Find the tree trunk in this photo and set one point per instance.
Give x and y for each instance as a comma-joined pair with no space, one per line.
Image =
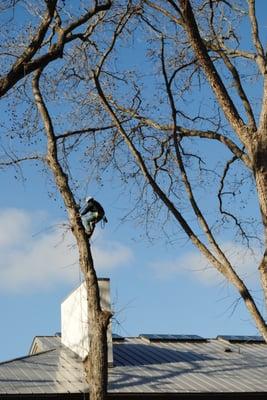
260,173
97,318
96,362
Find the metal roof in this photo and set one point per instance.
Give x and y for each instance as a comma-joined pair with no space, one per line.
56,370
214,366
152,337
188,367
241,339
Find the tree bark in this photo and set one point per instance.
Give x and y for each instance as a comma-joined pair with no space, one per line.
96,367
260,173
98,319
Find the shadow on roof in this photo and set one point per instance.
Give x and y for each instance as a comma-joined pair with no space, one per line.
141,354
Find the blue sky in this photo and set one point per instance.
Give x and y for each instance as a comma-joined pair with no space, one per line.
156,287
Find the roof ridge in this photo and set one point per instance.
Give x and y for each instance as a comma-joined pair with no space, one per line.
53,336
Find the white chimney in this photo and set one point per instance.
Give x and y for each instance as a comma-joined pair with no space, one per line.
75,331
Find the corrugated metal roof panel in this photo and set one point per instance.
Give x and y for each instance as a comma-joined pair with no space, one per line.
53,371
143,367
241,339
171,338
189,367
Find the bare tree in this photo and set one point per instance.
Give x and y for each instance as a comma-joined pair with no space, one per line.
192,87
196,50
38,47
98,318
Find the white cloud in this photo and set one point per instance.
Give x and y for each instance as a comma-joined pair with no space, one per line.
37,261
111,254
190,264
195,265
14,224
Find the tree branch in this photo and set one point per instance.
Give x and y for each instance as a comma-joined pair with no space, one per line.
17,70
16,161
186,132
83,131
261,58
61,180
234,73
200,217
37,40
26,64
233,53
221,193
164,12
119,28
220,91
156,188
223,266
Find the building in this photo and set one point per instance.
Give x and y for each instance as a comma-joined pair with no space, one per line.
145,367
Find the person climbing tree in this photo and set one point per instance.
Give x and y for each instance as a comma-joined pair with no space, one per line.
92,212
